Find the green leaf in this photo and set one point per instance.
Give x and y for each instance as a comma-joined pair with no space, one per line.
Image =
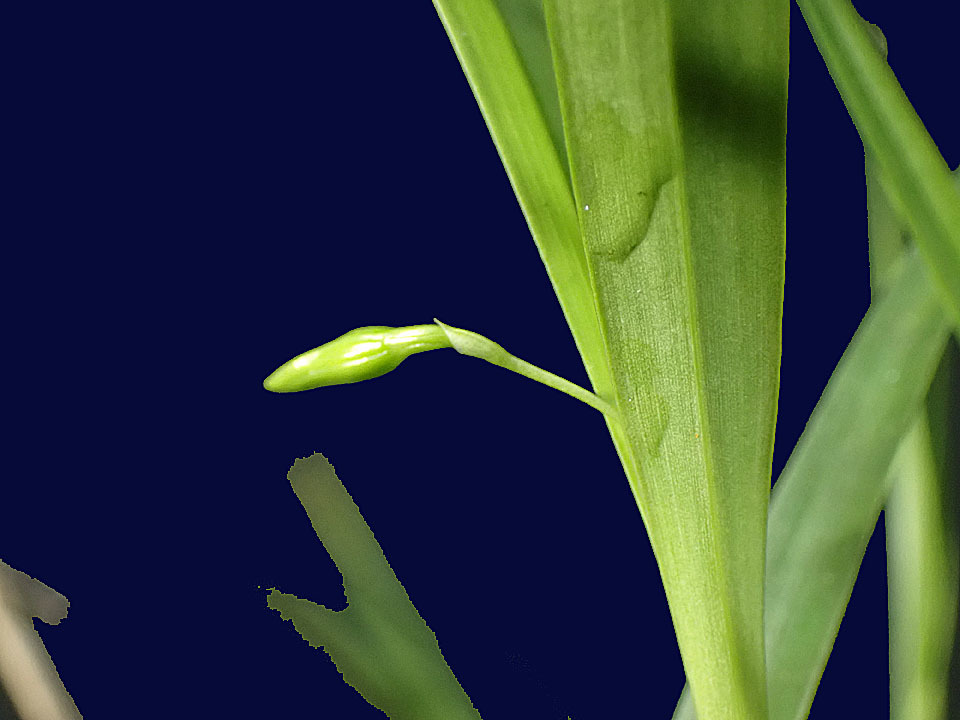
379,643
922,557
922,572
503,49
471,344
528,30
914,172
826,503
674,115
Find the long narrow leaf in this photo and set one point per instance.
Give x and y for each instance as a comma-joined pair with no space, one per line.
825,506
379,643
914,171
922,562
674,115
922,576
503,49
827,501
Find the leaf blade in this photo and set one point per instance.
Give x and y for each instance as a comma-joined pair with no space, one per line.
922,560
922,572
814,557
918,177
650,159
497,42
379,643
826,503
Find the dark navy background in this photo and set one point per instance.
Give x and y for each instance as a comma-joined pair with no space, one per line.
204,190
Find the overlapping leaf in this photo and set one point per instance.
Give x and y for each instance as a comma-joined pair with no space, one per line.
914,172
818,534
674,115
674,300
827,501
922,554
505,54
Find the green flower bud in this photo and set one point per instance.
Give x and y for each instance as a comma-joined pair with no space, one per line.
370,352
360,354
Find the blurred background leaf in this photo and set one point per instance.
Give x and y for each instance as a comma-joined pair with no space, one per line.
921,512
916,177
827,501
379,643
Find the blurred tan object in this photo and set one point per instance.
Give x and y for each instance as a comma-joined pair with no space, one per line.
26,671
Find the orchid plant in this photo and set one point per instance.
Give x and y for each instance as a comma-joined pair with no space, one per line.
645,141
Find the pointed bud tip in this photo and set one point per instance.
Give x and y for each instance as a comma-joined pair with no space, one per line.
288,378
270,383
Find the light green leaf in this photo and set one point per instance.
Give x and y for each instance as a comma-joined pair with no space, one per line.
914,172
826,503
922,556
886,232
528,30
674,114
379,643
922,572
502,46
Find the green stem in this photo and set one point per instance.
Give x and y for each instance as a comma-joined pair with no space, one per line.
474,345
